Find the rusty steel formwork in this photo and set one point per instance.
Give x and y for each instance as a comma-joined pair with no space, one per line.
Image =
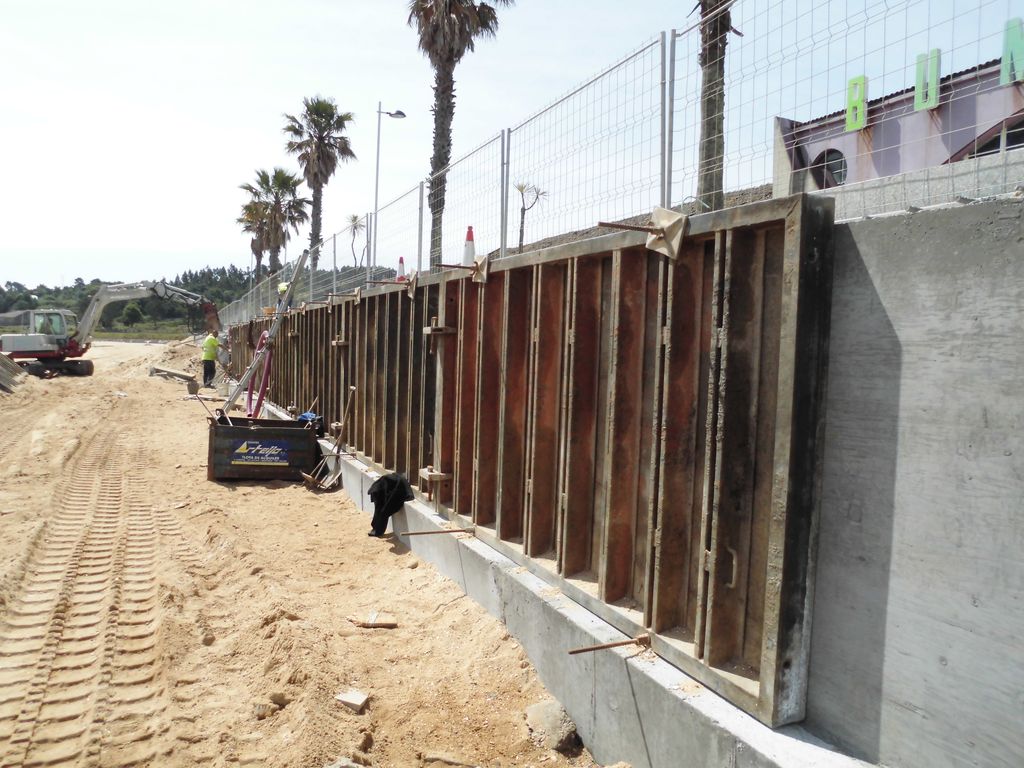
641,432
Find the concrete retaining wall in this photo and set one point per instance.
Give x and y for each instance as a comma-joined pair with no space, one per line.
627,705
917,654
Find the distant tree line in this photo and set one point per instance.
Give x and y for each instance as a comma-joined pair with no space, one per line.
221,285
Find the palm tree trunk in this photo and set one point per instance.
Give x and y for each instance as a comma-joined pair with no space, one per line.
444,111
354,262
522,227
314,230
275,259
259,263
714,30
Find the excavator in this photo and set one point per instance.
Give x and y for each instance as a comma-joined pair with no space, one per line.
52,341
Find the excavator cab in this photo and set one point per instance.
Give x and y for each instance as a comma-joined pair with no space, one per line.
42,335
53,322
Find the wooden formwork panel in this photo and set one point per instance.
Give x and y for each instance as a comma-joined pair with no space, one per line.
418,433
400,386
621,449
643,432
514,333
544,402
685,367
578,491
445,358
465,397
491,303
376,362
391,381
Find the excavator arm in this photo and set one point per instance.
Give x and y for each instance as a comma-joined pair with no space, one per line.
108,294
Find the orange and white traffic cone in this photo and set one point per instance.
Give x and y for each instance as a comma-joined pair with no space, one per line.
469,254
401,269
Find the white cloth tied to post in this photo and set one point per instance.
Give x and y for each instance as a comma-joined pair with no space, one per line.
673,226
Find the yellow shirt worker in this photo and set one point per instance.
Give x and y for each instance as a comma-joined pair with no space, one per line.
210,345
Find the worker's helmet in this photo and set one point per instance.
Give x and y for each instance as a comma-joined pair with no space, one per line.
282,287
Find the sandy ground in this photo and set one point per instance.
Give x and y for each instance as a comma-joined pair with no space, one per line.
150,617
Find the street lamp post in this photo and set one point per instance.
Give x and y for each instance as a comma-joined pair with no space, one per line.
376,182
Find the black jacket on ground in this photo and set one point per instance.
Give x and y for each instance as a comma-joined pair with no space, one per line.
388,493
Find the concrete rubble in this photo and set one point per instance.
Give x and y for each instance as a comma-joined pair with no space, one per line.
551,727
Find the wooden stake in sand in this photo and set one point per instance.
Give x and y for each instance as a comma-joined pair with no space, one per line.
376,620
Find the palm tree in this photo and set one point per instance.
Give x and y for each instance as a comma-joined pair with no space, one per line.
255,220
447,30
356,225
318,141
527,191
715,25
279,192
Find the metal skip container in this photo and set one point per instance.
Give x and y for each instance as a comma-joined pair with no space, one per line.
260,449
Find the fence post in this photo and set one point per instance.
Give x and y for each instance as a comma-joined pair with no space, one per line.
371,224
334,264
661,47
419,236
670,120
506,142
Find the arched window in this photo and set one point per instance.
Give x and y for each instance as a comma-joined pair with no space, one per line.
1007,135
829,169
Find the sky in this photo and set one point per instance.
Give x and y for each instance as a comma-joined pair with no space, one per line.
128,126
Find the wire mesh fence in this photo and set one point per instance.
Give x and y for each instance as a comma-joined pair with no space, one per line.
351,246
335,274
886,105
468,193
838,96
595,154
397,240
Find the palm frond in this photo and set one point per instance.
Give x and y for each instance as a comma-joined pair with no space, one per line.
317,139
447,28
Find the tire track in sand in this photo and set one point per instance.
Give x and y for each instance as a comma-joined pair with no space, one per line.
16,428
77,640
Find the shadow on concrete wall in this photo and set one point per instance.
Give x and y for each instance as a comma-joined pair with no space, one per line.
855,547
